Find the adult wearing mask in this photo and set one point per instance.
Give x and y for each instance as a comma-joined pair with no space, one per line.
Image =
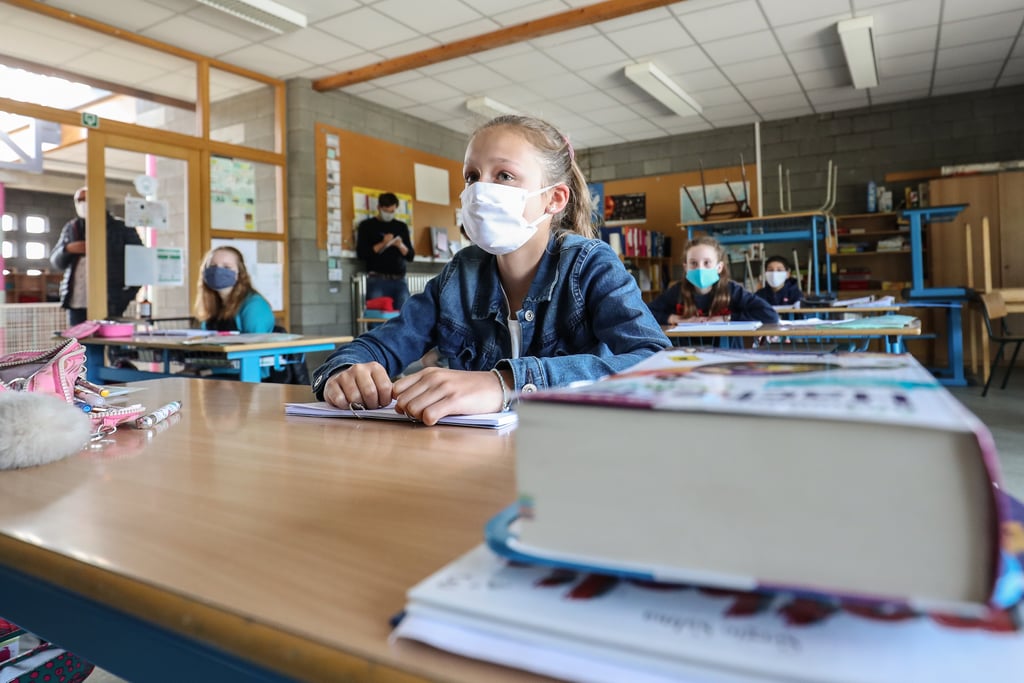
69,255
384,246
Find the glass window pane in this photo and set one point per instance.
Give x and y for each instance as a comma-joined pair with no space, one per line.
35,225
264,259
9,223
241,110
8,250
35,250
34,272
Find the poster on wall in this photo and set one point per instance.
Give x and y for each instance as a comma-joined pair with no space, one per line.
596,203
625,209
232,194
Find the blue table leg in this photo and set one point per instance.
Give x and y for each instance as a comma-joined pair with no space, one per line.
95,359
250,369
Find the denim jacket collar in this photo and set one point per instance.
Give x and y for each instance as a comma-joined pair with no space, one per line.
541,289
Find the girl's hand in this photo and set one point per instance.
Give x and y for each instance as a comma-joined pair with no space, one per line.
433,393
675,319
367,384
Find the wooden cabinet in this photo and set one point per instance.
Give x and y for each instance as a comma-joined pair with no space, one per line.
872,256
21,288
652,273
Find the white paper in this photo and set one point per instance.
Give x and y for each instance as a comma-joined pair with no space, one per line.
697,328
323,409
170,266
268,279
431,184
139,265
145,213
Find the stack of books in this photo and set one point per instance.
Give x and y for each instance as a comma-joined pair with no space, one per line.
733,516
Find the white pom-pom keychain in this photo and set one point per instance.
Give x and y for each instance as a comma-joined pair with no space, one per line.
37,428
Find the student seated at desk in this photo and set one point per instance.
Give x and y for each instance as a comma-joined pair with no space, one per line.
781,289
536,302
226,301
707,294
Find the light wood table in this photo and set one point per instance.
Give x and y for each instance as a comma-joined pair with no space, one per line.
892,338
238,544
249,354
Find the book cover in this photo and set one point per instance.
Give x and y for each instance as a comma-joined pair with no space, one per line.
590,627
822,473
324,409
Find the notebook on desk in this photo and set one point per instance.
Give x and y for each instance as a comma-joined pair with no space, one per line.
722,326
324,409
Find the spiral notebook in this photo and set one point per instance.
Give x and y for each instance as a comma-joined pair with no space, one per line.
323,409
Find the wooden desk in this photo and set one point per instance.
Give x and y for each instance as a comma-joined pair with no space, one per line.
859,310
248,355
238,544
892,338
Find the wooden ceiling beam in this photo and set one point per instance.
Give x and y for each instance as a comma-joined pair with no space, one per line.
556,23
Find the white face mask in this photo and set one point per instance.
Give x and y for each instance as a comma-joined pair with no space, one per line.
82,209
387,216
492,215
775,278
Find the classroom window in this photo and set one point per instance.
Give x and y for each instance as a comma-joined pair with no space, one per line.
33,272
7,250
9,223
35,251
36,225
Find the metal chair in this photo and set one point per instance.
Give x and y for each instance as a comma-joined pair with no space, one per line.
993,307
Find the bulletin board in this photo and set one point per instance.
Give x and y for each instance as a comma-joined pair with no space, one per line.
364,161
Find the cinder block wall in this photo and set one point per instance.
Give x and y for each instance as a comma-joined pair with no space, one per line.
319,306
865,144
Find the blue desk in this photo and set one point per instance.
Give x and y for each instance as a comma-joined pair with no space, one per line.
251,355
811,226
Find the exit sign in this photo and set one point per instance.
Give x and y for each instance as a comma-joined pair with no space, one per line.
90,120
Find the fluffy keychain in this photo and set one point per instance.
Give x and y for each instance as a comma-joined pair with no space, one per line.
36,429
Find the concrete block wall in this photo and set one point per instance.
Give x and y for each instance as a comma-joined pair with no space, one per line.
864,144
319,306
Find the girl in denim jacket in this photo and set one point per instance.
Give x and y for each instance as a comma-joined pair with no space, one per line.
536,302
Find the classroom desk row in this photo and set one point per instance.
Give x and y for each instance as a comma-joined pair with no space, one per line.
233,543
251,356
777,336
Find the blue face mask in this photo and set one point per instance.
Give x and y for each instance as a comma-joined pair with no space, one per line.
216,277
702,278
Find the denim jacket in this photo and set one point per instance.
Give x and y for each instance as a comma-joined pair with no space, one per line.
582,319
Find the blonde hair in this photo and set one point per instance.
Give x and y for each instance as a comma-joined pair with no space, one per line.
720,298
558,159
209,305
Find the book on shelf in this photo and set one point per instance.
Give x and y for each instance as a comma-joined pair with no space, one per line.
324,409
827,474
584,626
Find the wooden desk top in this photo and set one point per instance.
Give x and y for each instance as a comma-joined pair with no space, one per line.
783,330
191,344
862,310
285,540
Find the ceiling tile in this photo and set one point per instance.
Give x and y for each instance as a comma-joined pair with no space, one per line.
29,45
955,10
635,19
388,98
889,86
907,64
767,105
770,86
787,113
843,95
699,81
685,60
902,16
745,72
727,111
899,97
840,105
810,34
718,96
819,58
954,88
450,65
724,20
610,115
475,78
603,76
266,60
467,30
783,12
650,38
514,93
584,54
407,47
525,66
195,36
17,20
129,14
367,28
628,93
1014,67
565,37
523,13
991,51
113,68
503,52
906,42
587,101
824,78
313,46
315,10
982,75
556,86
981,29
738,121
426,17
139,53
743,48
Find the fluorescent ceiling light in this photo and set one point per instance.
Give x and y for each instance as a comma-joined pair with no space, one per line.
662,88
265,13
859,46
485,106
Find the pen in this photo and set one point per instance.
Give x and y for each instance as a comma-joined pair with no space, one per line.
95,388
89,397
158,415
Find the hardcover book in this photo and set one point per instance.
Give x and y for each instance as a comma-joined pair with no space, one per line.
827,474
583,626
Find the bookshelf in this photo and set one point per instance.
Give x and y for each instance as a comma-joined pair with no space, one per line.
24,288
872,255
646,254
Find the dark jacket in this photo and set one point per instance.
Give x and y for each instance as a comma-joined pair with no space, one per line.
788,294
118,235
390,261
742,305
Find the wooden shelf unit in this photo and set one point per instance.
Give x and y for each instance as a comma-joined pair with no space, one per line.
22,288
658,268
890,269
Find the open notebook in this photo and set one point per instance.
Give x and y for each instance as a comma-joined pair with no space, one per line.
717,326
323,409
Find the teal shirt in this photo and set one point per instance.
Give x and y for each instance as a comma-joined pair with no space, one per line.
254,317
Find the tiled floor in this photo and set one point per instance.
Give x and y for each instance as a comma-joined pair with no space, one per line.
1002,411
